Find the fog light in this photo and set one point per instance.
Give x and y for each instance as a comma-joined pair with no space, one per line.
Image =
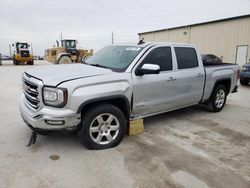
55,122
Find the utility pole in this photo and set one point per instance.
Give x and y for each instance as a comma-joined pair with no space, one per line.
78,39
10,49
112,36
31,48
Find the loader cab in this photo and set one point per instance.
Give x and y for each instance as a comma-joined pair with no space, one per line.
70,46
21,46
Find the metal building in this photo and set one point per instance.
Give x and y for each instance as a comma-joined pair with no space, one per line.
227,38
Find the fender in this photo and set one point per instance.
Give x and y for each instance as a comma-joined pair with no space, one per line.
222,81
126,108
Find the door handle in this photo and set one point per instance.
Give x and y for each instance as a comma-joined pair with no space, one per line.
171,79
200,75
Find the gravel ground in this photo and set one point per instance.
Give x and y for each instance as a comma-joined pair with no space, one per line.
186,148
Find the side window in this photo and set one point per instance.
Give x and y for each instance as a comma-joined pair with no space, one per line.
186,57
160,56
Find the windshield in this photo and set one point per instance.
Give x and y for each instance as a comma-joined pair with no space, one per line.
22,45
69,43
117,58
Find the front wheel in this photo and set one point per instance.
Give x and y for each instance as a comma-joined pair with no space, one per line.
218,99
15,62
103,126
64,60
244,82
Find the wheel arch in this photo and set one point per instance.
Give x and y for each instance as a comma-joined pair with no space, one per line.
225,82
119,101
60,55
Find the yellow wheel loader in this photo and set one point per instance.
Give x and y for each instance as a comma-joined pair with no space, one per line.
22,54
67,53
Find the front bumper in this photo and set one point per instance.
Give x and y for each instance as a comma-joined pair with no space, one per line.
38,120
245,75
23,59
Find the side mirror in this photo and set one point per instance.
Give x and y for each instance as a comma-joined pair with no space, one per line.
148,69
13,45
28,45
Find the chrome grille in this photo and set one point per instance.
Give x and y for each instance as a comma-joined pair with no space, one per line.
31,93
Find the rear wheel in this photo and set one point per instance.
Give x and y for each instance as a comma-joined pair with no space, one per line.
30,62
244,82
103,126
15,62
64,60
218,99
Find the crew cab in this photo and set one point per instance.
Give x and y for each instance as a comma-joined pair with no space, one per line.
120,83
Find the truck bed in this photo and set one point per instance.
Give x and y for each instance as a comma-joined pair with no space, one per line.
216,72
216,64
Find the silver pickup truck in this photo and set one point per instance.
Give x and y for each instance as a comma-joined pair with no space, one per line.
121,83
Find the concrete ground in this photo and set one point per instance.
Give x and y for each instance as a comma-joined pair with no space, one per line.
186,148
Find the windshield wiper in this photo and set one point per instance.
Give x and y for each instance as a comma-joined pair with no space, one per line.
98,65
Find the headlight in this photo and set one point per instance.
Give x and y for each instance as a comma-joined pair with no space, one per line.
56,97
243,68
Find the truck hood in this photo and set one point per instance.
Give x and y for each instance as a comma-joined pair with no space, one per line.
53,75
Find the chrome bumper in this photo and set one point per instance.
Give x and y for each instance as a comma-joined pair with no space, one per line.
37,120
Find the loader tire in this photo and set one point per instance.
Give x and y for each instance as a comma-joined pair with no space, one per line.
15,62
64,60
30,62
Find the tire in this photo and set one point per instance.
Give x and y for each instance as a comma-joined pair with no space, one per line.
244,82
15,62
30,62
218,99
96,132
85,57
64,60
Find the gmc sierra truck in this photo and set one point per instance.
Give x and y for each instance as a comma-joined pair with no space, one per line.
120,83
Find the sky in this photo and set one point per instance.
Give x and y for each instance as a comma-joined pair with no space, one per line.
91,22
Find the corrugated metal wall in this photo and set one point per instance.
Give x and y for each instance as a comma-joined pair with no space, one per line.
219,38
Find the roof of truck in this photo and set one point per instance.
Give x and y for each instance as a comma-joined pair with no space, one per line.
152,44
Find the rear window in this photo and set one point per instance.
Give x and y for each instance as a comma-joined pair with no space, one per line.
186,57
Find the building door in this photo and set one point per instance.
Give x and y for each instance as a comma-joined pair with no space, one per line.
241,55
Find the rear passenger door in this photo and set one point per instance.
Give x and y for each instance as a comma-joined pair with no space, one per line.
189,77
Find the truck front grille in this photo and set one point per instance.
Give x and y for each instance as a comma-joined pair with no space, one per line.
31,93
25,53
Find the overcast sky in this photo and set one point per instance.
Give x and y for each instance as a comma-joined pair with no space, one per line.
92,21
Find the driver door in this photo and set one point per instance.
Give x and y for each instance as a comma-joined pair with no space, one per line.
150,90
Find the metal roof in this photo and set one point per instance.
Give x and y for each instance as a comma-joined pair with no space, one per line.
201,23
